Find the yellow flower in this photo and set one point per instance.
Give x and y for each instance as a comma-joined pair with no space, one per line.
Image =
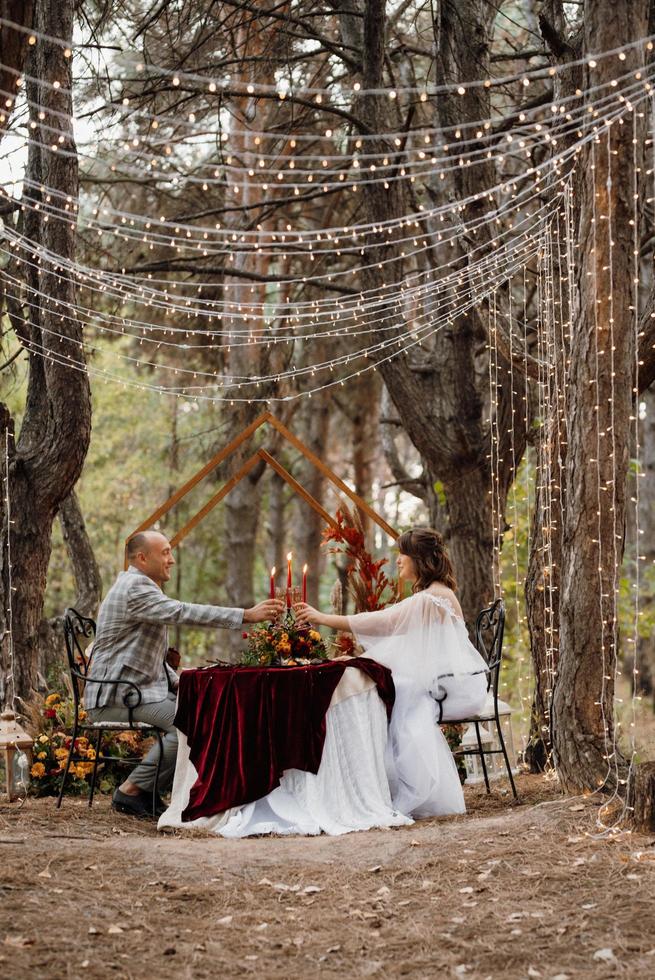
90,753
61,754
315,636
42,755
43,738
83,714
38,770
52,699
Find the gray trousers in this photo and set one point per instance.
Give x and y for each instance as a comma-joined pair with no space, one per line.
160,714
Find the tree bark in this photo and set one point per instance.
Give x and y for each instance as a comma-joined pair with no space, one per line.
13,49
442,395
599,405
46,459
88,583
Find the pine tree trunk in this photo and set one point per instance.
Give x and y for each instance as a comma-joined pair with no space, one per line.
46,459
442,395
599,405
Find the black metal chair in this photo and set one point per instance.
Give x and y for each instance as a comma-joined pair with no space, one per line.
489,630
76,629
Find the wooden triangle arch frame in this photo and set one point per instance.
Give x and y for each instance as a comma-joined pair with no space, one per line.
260,454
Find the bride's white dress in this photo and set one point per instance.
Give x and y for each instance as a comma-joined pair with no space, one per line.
424,642
371,774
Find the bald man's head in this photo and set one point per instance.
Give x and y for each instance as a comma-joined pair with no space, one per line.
150,552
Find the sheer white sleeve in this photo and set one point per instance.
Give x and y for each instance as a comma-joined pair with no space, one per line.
422,638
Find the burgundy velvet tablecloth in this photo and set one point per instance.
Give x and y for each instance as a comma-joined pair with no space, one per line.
246,725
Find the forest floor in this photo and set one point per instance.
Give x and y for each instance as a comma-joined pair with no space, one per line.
508,891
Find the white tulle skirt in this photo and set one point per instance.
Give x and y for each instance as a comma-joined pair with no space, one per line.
422,773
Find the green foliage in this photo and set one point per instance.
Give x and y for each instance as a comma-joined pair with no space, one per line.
440,492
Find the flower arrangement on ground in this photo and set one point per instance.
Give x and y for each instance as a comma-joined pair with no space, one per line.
283,644
54,720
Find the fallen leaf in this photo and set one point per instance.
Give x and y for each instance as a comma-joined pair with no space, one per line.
225,921
44,874
576,808
334,949
261,926
376,867
466,891
312,889
532,972
20,941
114,929
93,931
264,881
414,843
384,890
589,905
605,955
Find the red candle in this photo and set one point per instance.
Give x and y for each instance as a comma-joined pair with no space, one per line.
272,589
304,583
289,581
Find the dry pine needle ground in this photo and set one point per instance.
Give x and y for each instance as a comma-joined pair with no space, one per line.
508,891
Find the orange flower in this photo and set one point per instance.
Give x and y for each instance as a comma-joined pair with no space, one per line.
38,770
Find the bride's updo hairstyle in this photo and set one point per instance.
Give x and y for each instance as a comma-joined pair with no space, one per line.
425,547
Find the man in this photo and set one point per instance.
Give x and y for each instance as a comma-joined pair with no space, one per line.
131,645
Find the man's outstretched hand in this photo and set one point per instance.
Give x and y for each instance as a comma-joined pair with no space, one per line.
267,610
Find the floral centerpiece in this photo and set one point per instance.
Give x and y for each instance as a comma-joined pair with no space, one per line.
283,643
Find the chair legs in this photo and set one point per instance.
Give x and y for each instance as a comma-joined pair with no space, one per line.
98,746
68,765
94,775
506,757
482,759
159,761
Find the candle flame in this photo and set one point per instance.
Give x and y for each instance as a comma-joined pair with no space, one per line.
273,571
304,569
289,556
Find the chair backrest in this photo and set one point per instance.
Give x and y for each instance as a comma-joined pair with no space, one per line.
489,630
76,627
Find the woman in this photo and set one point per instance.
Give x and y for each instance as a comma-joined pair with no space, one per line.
424,641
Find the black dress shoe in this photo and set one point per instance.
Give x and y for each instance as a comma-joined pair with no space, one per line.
160,806
133,806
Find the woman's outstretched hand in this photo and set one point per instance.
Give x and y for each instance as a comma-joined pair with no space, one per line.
306,613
